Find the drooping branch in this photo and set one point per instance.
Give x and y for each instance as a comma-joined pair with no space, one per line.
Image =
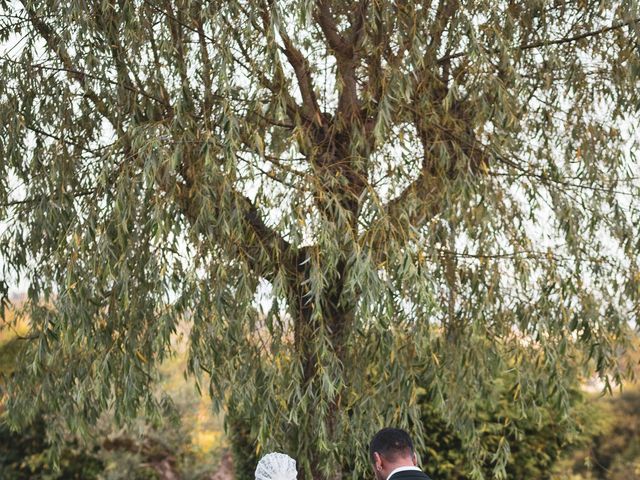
123,64
55,44
274,85
298,62
444,13
265,249
358,25
559,41
75,72
178,38
207,71
425,197
45,198
93,151
375,72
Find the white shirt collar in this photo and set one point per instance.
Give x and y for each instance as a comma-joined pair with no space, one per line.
402,469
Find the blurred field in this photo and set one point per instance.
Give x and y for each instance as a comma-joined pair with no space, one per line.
206,429
10,331
610,449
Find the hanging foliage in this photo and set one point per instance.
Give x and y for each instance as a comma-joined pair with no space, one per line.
343,199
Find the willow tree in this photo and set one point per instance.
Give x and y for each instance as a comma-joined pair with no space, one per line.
351,204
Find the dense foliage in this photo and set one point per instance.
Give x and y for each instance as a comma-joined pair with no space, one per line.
25,456
534,450
166,450
408,189
540,441
614,453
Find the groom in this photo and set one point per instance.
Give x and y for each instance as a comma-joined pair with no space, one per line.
393,457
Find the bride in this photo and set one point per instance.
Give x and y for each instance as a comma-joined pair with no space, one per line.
276,466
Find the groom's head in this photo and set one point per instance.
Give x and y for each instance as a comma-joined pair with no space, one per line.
389,449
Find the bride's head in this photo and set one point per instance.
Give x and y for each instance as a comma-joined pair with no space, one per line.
276,466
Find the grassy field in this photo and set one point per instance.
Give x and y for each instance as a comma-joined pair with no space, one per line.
10,331
205,429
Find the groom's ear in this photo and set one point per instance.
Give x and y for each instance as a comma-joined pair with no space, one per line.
377,461
415,459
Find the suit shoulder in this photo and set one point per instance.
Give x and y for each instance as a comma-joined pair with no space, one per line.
410,475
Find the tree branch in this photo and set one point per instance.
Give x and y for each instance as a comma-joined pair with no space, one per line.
427,193
118,54
299,64
207,72
335,40
303,75
445,11
357,27
548,43
346,58
82,147
292,107
41,198
259,237
54,43
502,256
257,242
75,73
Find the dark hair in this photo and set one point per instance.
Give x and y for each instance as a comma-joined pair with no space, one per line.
391,442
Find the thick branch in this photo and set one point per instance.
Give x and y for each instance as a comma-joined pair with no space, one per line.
263,248
303,75
298,62
346,57
328,25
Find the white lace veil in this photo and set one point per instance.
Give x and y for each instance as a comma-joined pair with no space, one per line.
276,466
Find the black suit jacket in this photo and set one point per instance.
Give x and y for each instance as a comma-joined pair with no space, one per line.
409,475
